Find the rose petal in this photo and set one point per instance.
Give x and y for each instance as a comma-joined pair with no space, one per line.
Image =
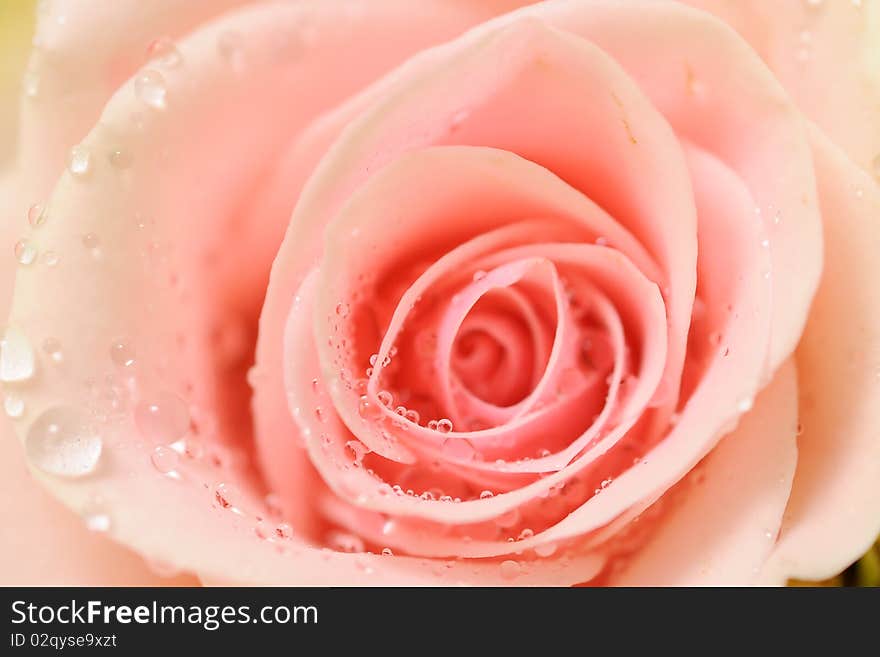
812,47
726,514
832,516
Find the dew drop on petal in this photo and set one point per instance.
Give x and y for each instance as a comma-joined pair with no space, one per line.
149,87
745,405
458,449
96,519
164,53
444,425
545,550
343,309
13,405
164,459
91,242
25,252
61,441
50,258
120,158
52,348
16,356
162,418
122,353
36,215
510,569
31,84
79,161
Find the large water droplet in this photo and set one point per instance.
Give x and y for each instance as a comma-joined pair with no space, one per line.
16,356
62,441
162,418
458,449
25,252
79,161
36,215
545,550
149,87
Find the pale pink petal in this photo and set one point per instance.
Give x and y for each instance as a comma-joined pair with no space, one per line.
826,56
723,518
44,544
833,517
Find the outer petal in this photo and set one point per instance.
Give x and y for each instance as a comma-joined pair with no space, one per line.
814,47
43,544
730,507
833,516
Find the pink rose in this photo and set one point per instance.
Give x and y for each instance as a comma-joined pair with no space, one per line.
581,295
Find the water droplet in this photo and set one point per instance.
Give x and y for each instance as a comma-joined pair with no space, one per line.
96,519
52,348
61,441
120,158
444,425
36,215
91,242
50,258
122,353
343,309
163,52
509,519
745,405
356,450
149,87
13,405
385,398
486,494
458,449
25,252
344,542
367,409
164,459
386,552
510,569
162,418
79,161
545,550
16,356
31,84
